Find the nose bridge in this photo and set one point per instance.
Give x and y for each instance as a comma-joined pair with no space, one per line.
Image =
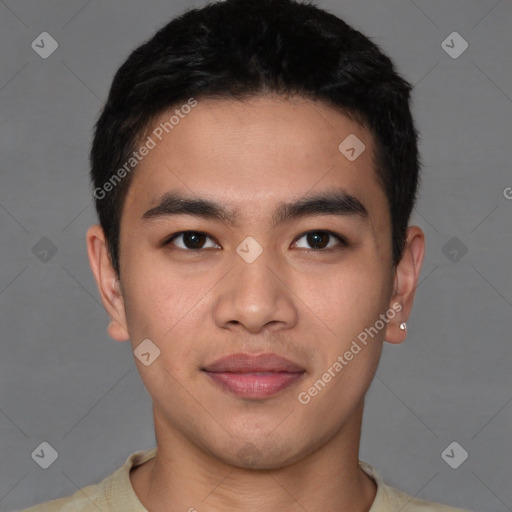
253,295
254,280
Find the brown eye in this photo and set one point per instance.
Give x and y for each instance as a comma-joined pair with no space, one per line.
319,240
190,241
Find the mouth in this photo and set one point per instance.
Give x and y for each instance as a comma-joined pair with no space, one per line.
254,376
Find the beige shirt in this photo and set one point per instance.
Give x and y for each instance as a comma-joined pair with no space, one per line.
115,494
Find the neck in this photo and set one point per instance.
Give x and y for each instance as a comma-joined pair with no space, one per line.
182,476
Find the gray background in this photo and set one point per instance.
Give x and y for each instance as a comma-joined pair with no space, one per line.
64,381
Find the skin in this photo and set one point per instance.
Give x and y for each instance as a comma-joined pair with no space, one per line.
302,302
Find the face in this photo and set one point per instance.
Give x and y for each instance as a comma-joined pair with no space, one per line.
272,243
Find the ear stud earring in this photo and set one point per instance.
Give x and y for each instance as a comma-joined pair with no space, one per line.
403,326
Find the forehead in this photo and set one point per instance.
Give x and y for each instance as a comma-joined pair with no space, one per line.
254,153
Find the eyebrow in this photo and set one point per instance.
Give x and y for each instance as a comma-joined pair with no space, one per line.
336,202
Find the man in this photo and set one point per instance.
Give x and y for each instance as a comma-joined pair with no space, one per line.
254,171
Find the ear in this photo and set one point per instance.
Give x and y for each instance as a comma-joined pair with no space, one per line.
107,281
405,281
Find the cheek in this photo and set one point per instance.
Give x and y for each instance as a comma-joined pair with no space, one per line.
345,304
160,300
347,298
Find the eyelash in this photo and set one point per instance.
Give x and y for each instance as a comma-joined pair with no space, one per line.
341,239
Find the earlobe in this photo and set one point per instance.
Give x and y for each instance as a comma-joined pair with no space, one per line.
117,332
107,282
396,330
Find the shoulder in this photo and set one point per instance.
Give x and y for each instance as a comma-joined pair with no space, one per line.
390,499
87,499
113,493
407,503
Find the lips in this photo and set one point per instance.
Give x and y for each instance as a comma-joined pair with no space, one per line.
254,376
246,363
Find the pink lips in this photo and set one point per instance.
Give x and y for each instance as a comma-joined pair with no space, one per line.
254,376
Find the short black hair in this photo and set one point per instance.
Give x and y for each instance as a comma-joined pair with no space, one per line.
236,49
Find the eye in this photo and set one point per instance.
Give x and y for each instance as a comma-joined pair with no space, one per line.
195,241
190,240
319,240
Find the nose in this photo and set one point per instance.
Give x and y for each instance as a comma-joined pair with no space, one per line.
256,295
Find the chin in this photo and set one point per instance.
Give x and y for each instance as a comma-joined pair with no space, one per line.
265,454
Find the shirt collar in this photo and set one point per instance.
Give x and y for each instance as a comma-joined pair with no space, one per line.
123,496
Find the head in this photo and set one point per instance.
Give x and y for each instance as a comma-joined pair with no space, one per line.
241,107
240,49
